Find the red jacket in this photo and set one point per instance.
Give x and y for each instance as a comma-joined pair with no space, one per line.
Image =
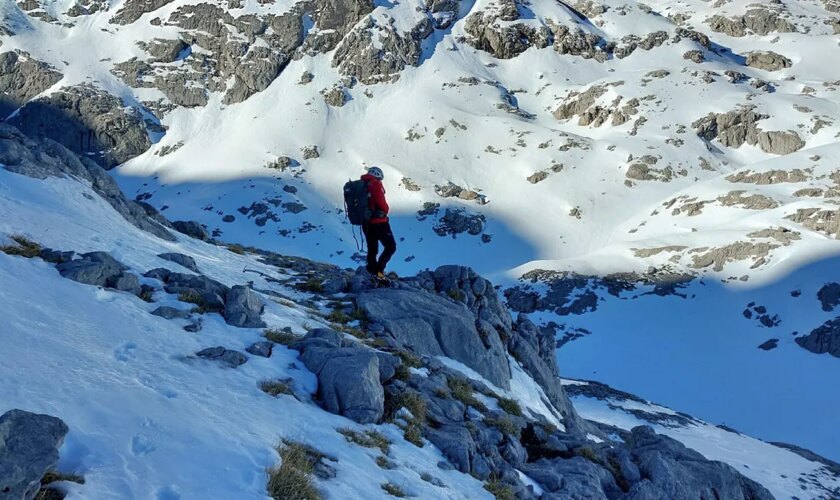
378,204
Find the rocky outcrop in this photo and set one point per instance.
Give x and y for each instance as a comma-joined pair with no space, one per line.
761,21
824,339
768,60
401,381
239,56
826,221
671,470
225,357
375,52
29,446
739,127
494,31
829,296
427,324
87,121
21,79
45,158
132,10
458,221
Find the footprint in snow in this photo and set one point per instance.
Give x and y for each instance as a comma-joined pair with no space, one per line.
142,445
168,493
166,392
125,352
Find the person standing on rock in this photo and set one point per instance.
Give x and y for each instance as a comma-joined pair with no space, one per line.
378,229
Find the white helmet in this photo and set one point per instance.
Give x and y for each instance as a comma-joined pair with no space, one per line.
376,172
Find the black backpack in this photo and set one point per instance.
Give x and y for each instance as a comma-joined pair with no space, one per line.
356,202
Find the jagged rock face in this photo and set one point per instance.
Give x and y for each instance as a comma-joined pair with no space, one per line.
535,350
504,40
87,121
46,158
824,339
132,10
21,79
768,60
373,52
29,446
251,50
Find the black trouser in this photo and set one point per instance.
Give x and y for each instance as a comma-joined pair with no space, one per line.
375,234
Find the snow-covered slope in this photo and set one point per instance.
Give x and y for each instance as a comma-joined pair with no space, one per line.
686,141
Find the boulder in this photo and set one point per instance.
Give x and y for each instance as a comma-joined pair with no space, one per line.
768,61
243,308
56,256
180,259
349,376
192,229
432,325
226,357
127,282
456,444
262,349
179,283
29,446
160,273
349,386
96,268
167,312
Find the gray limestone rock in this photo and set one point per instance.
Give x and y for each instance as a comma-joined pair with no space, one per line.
768,60
29,446
243,308
262,349
97,268
192,229
167,312
681,473
190,283
21,79
427,324
87,121
180,259
132,10
759,21
226,357
375,52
